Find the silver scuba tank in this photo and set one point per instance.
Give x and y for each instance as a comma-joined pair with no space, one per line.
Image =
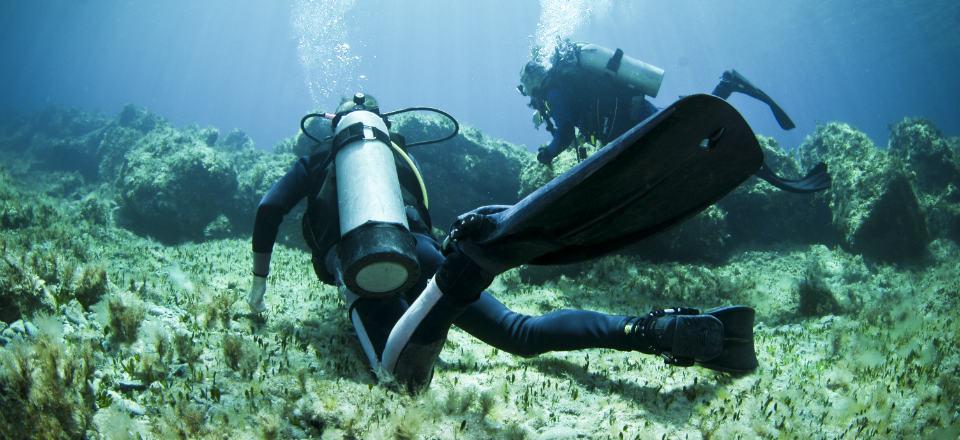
624,69
377,253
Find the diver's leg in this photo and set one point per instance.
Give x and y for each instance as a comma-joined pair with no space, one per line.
682,337
372,321
490,321
732,81
415,342
372,318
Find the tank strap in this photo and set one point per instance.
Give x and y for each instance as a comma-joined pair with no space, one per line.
614,63
357,131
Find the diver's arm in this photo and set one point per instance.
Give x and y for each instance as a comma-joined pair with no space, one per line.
562,114
281,198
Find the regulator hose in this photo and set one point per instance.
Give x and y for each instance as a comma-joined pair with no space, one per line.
456,125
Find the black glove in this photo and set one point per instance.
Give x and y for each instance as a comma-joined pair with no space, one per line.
459,276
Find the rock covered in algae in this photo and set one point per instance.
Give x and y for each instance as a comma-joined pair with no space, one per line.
918,143
257,171
873,202
935,167
462,173
67,140
759,213
173,185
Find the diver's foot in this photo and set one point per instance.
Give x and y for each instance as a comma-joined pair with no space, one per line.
681,336
544,157
732,81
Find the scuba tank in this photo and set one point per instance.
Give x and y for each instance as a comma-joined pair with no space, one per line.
631,72
377,253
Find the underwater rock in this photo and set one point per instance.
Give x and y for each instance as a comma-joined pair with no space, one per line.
22,292
173,186
873,203
943,215
20,329
236,140
465,172
140,119
219,228
918,143
935,167
67,140
15,132
759,213
704,237
301,145
816,299
257,172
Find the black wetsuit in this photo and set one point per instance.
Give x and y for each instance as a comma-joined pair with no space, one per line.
487,318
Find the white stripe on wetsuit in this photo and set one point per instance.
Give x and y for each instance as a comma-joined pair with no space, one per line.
349,298
408,323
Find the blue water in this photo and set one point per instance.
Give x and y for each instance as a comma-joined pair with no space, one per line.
236,64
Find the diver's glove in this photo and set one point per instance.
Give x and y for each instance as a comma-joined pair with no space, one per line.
471,225
459,274
258,287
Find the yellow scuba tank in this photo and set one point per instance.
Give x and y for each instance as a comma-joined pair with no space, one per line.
626,70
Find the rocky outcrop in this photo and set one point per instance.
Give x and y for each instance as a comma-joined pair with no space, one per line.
759,214
173,185
873,203
465,172
191,183
934,165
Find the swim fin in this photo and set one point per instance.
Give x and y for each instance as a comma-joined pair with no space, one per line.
720,339
817,179
739,355
733,81
668,168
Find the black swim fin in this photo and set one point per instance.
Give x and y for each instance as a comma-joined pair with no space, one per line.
720,339
817,179
739,355
733,81
660,172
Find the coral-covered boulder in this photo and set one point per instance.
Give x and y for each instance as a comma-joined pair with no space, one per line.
122,135
173,185
704,237
873,203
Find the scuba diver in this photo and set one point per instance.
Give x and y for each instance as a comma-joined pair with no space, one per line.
602,93
369,230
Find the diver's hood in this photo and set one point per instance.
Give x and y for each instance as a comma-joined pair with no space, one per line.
531,78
